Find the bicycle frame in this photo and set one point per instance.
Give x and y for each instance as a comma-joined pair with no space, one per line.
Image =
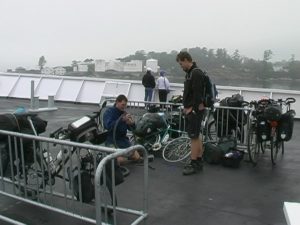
156,140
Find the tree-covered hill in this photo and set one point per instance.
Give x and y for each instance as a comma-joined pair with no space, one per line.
225,68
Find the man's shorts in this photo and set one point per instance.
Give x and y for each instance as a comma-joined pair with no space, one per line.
194,120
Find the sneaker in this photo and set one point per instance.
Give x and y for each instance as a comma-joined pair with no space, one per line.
192,168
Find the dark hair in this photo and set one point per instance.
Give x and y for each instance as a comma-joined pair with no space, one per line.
184,55
121,98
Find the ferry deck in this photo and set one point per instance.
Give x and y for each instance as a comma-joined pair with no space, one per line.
218,195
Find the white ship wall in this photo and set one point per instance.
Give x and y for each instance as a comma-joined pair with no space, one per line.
94,90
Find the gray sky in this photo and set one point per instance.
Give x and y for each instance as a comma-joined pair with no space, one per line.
66,30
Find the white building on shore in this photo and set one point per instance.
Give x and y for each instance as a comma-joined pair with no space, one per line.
153,64
116,65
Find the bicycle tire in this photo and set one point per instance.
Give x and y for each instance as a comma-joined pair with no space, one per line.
101,116
274,148
177,149
253,146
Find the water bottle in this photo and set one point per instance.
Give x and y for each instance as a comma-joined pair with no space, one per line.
49,160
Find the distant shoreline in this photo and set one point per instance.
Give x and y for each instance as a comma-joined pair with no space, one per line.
280,83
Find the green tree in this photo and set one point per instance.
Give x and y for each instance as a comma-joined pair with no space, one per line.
42,62
267,55
236,57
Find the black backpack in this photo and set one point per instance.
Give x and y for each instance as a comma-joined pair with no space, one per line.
210,91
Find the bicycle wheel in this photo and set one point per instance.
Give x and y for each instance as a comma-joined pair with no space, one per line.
253,146
101,124
275,146
177,149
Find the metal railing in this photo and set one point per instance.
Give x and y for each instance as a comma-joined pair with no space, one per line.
28,173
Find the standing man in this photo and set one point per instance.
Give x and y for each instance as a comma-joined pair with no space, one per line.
193,102
149,84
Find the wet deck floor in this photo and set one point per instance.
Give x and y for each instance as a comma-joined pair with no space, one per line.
247,195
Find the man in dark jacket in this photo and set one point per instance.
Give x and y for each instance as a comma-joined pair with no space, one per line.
193,102
117,121
149,84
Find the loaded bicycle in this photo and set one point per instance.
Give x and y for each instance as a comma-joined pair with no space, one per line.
271,124
74,165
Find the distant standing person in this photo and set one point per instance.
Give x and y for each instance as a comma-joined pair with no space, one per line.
163,86
149,84
193,103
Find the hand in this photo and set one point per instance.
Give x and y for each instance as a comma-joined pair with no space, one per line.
187,111
201,107
128,119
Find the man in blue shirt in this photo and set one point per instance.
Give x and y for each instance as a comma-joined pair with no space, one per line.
117,121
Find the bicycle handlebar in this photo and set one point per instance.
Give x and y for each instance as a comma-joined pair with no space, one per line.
264,102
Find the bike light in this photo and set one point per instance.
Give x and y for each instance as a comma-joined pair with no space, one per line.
274,123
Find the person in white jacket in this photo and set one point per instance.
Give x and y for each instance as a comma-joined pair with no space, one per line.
163,86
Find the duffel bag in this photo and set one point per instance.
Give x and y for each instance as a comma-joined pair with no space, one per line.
232,158
214,152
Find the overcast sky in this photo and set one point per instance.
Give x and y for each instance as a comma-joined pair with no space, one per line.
66,30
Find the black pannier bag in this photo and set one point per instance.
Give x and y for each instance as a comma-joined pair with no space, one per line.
87,178
149,123
19,123
286,126
81,127
8,122
272,112
263,128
